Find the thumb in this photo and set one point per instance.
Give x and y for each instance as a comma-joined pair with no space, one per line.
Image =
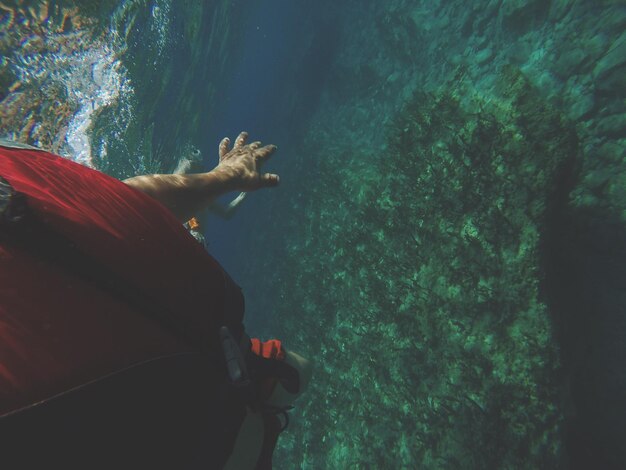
269,180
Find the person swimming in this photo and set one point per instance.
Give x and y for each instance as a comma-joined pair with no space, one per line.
96,239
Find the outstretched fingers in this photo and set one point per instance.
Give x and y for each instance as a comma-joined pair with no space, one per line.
263,153
241,140
224,147
249,158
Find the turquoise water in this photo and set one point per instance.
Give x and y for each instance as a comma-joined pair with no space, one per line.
448,239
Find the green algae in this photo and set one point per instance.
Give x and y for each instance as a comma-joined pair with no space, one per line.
417,285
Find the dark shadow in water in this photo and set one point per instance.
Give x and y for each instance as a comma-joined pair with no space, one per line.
312,74
271,92
584,253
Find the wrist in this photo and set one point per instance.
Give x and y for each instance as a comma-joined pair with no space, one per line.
226,177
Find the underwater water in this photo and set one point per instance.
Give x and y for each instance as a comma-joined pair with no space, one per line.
448,241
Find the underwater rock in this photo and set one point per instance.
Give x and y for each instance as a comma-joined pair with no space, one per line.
483,56
570,61
518,16
444,256
434,249
614,58
613,126
581,105
560,8
520,51
613,81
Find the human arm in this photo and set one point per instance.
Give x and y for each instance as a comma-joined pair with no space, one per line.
188,194
227,212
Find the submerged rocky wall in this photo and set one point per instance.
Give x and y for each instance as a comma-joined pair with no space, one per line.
573,51
415,282
455,259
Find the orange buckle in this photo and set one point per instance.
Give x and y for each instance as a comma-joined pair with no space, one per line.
193,224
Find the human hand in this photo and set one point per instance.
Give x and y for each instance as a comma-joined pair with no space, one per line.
243,162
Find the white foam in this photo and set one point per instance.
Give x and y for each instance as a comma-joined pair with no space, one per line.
92,76
95,79
160,26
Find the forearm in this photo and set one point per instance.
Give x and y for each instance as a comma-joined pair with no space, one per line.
185,195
